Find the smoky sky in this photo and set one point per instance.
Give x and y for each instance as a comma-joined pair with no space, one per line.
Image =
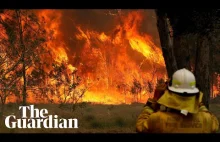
101,20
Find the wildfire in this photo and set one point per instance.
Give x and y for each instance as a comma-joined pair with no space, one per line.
141,42
52,21
216,86
122,69
121,66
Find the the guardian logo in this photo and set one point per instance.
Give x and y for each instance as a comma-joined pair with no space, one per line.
38,119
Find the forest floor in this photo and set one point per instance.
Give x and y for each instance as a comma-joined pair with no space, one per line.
92,118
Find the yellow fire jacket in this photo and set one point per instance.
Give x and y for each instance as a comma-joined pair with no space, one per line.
174,122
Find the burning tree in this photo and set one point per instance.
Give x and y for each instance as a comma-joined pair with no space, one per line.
114,58
22,38
39,44
124,89
136,90
9,78
66,85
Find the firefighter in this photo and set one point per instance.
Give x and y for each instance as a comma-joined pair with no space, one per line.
178,110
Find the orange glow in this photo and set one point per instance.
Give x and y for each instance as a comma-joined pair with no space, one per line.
216,86
109,62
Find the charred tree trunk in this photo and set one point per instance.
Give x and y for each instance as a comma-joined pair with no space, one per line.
190,26
125,95
24,90
202,68
211,73
182,51
140,97
166,42
3,101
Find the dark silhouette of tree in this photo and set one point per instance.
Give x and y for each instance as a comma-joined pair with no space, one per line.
187,40
136,89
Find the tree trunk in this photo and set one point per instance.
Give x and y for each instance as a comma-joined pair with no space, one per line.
24,78
211,73
140,97
187,51
24,91
166,42
125,97
202,69
3,101
182,51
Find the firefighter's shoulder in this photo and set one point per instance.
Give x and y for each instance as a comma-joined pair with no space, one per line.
210,117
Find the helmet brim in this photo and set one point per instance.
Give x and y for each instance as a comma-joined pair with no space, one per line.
181,90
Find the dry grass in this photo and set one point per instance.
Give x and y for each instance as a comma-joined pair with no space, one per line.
91,118
215,108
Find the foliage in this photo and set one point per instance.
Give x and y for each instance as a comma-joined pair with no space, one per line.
23,66
150,87
136,87
22,35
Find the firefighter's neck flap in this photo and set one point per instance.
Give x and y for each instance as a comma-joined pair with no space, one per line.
182,95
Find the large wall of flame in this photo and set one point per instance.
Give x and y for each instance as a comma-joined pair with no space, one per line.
108,47
111,46
66,22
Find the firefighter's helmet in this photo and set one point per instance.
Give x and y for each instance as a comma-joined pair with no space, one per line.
182,94
183,81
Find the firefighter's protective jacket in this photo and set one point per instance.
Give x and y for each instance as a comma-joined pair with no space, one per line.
175,122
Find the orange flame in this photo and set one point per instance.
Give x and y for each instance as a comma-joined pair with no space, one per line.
107,66
216,86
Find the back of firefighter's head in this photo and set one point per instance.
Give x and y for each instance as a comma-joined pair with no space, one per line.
183,81
182,93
